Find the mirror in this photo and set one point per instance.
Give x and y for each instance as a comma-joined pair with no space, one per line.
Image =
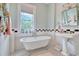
70,17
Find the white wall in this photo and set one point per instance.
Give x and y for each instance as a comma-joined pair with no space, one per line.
41,16
51,16
58,13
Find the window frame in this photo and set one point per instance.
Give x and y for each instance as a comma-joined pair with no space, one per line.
31,20
34,20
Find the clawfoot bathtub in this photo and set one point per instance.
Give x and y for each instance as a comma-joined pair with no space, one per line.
31,43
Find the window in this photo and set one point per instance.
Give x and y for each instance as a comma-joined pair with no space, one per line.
27,24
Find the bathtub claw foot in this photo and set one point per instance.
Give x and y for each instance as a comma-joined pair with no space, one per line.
29,53
47,47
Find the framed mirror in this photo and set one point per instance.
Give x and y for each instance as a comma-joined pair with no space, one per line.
70,17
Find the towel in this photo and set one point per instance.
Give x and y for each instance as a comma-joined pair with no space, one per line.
8,26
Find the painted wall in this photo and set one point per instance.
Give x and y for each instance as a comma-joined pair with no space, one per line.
51,18
58,14
51,14
41,15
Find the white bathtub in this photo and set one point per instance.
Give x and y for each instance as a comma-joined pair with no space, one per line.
36,42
